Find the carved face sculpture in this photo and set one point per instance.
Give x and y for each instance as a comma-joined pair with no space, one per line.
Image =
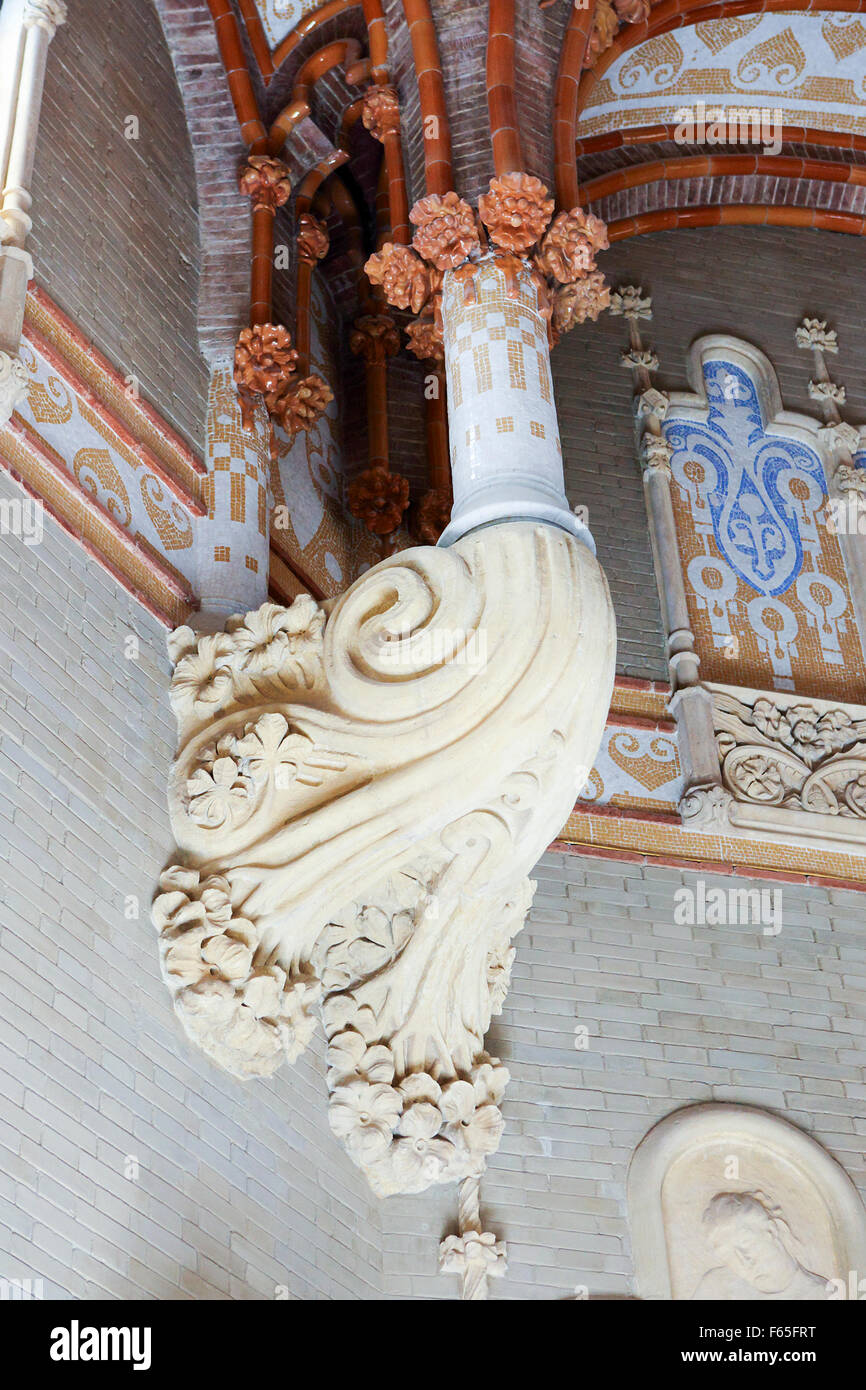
752,1241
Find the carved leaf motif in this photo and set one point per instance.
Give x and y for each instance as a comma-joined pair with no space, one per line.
396,889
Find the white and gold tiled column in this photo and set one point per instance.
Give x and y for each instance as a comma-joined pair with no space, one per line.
506,455
233,539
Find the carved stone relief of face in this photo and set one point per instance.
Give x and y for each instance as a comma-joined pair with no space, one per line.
753,1241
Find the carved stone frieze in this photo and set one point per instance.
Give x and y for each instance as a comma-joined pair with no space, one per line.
359,792
803,756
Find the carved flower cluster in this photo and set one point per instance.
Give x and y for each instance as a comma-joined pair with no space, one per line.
432,515
412,1131
265,366
264,361
567,252
232,773
236,1004
809,734
402,274
374,337
515,211
446,232
582,300
266,181
378,498
313,240
381,111
302,404
271,641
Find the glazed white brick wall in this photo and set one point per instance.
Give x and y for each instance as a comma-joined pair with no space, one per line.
676,1015
242,1188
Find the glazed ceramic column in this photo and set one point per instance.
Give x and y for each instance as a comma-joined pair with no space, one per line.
506,456
233,539
26,29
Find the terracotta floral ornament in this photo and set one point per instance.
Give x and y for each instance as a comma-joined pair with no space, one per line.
432,515
265,367
515,211
374,337
579,301
381,111
568,250
313,241
303,404
424,336
402,274
266,181
604,27
446,231
379,499
264,363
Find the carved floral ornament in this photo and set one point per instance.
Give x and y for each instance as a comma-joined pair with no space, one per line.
381,111
265,181
265,368
800,756
515,215
609,15
358,793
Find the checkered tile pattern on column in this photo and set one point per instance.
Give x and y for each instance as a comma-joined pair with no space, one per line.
233,539
500,395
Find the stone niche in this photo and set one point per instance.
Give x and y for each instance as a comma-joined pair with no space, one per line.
728,1202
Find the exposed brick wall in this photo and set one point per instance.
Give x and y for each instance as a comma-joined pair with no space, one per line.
115,235
241,1188
675,1015
755,283
224,291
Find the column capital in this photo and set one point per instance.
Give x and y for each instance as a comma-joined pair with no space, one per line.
312,240
374,337
655,455
381,112
265,181
47,15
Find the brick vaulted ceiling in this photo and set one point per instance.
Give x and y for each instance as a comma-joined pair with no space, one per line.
633,170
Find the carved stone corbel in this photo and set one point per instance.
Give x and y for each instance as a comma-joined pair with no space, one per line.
359,793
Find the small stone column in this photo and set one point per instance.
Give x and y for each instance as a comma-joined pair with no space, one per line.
704,802
234,538
506,456
26,29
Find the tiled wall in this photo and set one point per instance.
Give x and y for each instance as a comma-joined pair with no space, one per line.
675,1015
239,1189
754,283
